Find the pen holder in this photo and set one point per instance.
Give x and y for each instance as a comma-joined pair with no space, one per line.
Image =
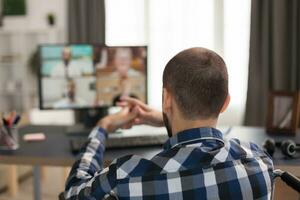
9,138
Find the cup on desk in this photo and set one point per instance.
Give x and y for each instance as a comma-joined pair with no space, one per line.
9,138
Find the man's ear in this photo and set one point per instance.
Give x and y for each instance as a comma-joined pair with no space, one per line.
226,103
166,104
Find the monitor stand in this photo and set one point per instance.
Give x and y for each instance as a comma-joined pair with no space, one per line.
86,120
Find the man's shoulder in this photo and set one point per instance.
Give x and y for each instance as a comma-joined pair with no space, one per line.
246,149
249,152
234,151
132,166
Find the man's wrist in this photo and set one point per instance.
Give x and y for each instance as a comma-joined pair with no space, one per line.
97,132
106,123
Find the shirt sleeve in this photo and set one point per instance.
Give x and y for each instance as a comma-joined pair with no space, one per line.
88,179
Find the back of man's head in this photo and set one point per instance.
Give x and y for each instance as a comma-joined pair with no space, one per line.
198,81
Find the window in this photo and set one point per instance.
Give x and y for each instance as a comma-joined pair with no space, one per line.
125,22
236,55
170,26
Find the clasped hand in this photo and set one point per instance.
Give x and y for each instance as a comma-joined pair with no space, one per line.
134,112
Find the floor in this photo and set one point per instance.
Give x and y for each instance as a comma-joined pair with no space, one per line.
52,185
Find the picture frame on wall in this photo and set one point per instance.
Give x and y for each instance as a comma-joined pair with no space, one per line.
14,7
283,112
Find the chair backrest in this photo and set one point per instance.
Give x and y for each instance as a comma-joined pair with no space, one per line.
61,196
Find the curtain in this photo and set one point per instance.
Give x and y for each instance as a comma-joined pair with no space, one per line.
86,20
1,13
274,62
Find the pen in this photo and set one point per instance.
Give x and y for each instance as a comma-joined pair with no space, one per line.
16,120
9,121
11,118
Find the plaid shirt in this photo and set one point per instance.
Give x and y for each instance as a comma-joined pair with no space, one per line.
194,164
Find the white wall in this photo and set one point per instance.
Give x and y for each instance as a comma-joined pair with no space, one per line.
36,17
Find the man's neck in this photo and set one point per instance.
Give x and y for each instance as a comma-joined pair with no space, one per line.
179,125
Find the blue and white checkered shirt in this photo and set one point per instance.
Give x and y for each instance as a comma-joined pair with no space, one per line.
194,164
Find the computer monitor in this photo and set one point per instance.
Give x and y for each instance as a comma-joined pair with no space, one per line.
84,76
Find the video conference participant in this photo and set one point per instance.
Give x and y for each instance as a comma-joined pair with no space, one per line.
70,99
66,68
196,161
122,61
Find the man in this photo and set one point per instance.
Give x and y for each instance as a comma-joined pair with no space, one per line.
70,99
71,68
196,162
122,62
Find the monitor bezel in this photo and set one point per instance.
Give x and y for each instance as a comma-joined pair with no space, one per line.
41,106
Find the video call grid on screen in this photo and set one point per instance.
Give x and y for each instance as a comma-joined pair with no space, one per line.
81,76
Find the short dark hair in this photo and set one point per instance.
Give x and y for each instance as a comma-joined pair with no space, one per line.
198,80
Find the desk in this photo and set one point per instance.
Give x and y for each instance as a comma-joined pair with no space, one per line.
55,150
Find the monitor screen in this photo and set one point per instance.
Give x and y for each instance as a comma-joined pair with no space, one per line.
87,76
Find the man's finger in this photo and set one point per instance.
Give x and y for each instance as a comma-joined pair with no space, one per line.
124,117
134,112
127,126
124,110
143,114
137,121
122,103
130,117
135,102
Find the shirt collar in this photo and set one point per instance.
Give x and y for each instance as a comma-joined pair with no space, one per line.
192,134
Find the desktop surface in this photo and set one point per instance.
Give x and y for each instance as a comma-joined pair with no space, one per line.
55,150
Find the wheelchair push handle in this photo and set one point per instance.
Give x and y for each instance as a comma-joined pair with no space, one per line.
289,179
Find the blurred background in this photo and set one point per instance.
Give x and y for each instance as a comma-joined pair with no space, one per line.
165,27
258,39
